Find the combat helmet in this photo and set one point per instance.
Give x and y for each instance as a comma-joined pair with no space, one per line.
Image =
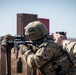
36,30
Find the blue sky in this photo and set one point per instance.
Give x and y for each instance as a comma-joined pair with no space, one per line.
61,13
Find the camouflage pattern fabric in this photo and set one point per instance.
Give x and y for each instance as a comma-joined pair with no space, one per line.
50,59
70,46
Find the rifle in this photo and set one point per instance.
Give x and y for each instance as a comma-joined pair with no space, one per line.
62,33
20,39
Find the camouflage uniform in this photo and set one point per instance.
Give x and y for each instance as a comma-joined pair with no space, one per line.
70,46
47,56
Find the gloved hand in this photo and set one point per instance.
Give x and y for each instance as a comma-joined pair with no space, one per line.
59,39
23,48
5,39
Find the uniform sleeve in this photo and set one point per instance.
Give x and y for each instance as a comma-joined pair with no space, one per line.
40,57
70,46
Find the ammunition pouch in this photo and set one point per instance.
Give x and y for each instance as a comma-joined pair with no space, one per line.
57,66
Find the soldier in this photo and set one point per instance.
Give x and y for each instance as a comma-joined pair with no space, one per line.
46,55
70,46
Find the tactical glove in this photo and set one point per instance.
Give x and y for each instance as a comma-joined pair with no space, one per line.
23,48
5,39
